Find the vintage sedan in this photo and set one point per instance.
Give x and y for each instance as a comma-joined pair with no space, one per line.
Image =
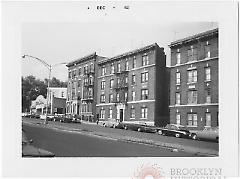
176,131
140,127
113,123
28,150
208,133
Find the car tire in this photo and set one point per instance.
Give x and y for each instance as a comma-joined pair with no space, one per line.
114,126
177,135
217,139
139,129
160,132
194,137
125,127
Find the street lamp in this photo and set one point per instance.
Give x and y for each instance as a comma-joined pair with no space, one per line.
49,67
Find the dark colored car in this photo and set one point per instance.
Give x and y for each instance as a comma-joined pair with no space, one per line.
178,131
28,150
140,127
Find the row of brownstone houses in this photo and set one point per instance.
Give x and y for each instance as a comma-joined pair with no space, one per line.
138,86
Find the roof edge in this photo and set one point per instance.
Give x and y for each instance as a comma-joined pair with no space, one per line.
81,59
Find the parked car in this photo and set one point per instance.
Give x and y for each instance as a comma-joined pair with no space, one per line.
176,131
28,150
140,127
208,133
113,123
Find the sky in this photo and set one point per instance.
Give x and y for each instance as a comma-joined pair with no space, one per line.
58,42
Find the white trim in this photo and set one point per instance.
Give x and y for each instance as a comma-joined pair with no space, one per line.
192,105
142,101
184,64
105,104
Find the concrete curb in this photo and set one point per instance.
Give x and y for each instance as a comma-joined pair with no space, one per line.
171,146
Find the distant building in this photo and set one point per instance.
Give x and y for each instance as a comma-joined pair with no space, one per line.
194,80
39,105
57,100
133,87
82,88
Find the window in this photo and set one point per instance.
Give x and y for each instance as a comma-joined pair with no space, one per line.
118,67
192,97
208,96
85,81
103,85
103,71
133,95
111,98
69,74
90,92
118,81
85,70
178,55
79,83
118,97
178,98
110,113
111,83
192,54
126,80
178,119
102,113
178,78
144,112
126,96
127,65
79,71
133,79
74,73
145,60
207,50
132,115
208,119
92,67
144,94
102,98
192,76
144,77
112,68
62,94
192,119
91,80
134,62
207,74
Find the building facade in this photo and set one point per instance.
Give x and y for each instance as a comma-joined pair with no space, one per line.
82,88
133,87
57,100
194,80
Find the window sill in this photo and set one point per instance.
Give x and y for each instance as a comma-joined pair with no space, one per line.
191,83
191,126
178,84
143,118
207,81
132,118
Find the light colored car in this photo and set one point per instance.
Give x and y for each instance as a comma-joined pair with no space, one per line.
111,123
208,133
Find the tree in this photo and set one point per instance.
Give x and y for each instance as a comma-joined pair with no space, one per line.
32,88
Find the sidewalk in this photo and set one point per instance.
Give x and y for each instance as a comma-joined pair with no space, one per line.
92,129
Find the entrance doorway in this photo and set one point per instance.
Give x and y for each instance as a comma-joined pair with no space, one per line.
121,115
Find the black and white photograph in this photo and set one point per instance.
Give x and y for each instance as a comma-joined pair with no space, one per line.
120,89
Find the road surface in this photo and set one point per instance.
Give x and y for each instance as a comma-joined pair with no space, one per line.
72,144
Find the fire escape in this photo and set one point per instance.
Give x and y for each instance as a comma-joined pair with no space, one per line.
121,86
88,85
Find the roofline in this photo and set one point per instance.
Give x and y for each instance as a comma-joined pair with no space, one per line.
194,37
81,59
128,53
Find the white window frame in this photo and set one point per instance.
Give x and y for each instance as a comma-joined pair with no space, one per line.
111,83
192,97
132,115
110,113
178,98
178,118
178,56
134,95
208,118
192,119
192,76
103,85
144,112
207,74
144,94
178,78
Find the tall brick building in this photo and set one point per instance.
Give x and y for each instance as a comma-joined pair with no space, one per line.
82,89
133,87
194,80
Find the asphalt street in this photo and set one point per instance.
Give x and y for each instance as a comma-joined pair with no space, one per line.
73,144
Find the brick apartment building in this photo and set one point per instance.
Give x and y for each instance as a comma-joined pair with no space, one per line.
133,87
82,88
194,80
